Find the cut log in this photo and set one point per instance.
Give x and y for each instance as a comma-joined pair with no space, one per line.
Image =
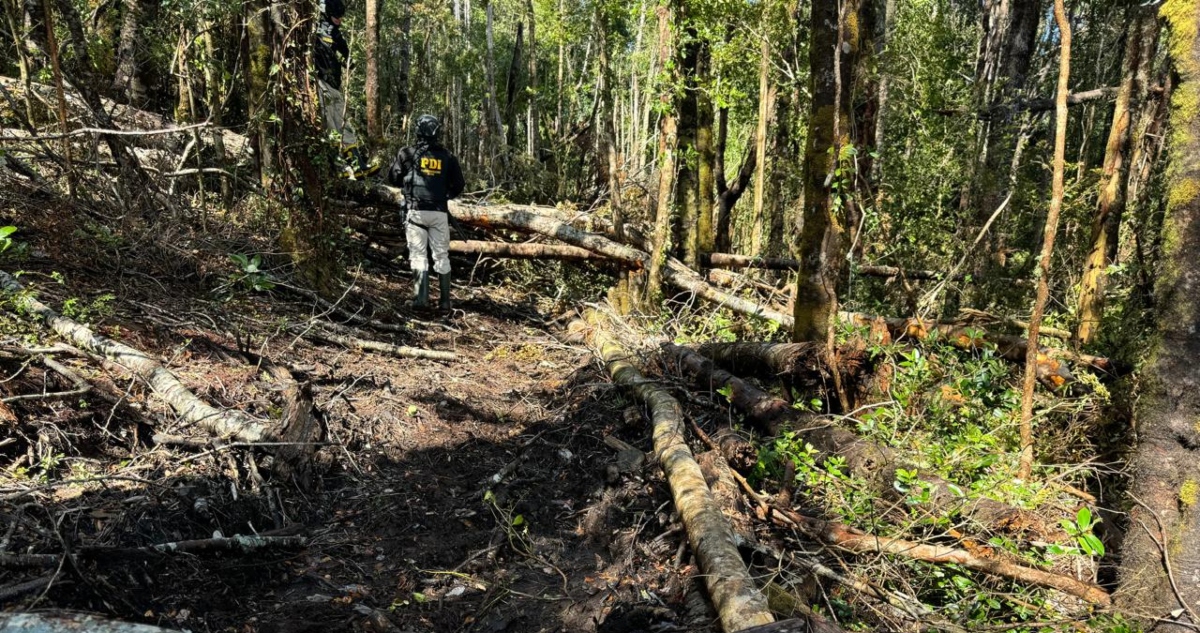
520,217
70,623
765,359
223,423
526,251
739,604
874,463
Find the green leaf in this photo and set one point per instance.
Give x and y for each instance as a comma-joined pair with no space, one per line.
5,231
1083,519
518,520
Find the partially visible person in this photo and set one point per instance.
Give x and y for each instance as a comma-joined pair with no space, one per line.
329,57
430,176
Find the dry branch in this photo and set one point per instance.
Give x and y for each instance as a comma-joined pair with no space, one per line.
238,544
228,423
738,603
850,539
399,351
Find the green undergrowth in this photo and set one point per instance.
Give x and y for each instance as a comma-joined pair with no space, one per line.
955,414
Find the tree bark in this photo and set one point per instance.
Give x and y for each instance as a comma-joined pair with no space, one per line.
820,244
374,125
738,602
70,623
493,102
765,102
687,192
1161,552
664,211
1043,278
705,153
1141,39
231,423
127,85
512,86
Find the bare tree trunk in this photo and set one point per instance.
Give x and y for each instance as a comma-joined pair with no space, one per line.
374,126
403,84
215,96
1140,44
493,103
687,192
1056,198
829,127
257,83
666,165
705,154
532,123
889,17
1161,551
58,89
758,227
513,86
127,84
1010,30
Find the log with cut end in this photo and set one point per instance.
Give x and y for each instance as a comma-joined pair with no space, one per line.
875,463
223,423
511,250
732,590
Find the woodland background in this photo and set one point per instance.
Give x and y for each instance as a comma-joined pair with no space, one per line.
975,222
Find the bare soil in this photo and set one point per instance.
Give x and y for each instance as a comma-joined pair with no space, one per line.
472,496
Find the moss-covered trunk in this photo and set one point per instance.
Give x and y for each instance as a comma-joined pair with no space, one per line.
835,40
1161,553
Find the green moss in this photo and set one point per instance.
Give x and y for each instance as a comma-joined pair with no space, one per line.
1189,493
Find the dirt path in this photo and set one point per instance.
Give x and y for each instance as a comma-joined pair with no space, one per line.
470,496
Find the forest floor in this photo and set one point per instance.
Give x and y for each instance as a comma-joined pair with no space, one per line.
476,495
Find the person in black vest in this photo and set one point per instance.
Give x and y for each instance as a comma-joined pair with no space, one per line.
329,58
430,176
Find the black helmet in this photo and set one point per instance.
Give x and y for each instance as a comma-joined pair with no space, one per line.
428,127
334,8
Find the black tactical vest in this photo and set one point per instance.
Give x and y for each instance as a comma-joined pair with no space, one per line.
425,180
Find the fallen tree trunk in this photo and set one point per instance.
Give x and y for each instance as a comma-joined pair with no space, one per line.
400,351
223,423
874,463
70,623
850,539
528,218
738,602
526,251
521,217
730,260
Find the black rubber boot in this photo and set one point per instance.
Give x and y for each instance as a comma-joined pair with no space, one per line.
421,290
444,296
